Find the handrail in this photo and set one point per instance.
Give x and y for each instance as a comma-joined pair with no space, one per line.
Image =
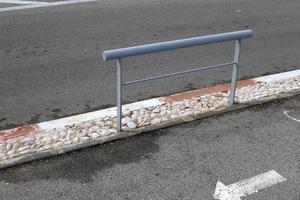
176,44
177,73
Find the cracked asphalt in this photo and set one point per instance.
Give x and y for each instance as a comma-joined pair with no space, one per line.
180,162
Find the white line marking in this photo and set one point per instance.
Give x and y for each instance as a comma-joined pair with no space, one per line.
23,7
61,123
247,186
279,76
24,2
286,114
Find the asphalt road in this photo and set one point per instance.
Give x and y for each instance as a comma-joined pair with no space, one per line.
50,58
181,162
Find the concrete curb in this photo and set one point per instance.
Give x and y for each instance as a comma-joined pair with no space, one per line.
61,123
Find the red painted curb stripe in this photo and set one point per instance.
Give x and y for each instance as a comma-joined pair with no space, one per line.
32,129
19,131
208,90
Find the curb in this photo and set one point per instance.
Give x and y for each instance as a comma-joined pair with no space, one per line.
61,124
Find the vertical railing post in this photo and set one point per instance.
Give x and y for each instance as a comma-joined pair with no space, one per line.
235,70
119,95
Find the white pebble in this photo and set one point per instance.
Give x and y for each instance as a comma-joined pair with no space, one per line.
62,134
95,128
24,148
112,130
8,146
70,131
26,151
100,123
104,132
155,121
94,135
57,144
15,146
131,125
156,110
45,147
126,120
75,140
109,123
83,139
11,152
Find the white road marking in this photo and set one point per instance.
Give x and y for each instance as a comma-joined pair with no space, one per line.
23,2
61,123
286,114
279,76
44,4
247,186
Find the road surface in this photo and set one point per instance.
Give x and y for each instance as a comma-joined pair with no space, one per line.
181,162
50,58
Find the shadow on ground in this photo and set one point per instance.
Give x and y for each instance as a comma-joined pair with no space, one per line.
83,164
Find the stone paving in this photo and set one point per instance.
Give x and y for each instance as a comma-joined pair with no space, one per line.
105,127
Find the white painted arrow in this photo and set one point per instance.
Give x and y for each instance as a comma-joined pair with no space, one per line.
247,186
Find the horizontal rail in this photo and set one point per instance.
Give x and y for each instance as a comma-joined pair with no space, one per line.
175,44
177,73
118,54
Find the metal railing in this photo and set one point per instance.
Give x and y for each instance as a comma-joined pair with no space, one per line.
176,44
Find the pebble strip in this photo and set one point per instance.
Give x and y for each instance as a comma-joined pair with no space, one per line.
97,129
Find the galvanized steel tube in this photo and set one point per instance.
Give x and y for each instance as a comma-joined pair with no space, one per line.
175,44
